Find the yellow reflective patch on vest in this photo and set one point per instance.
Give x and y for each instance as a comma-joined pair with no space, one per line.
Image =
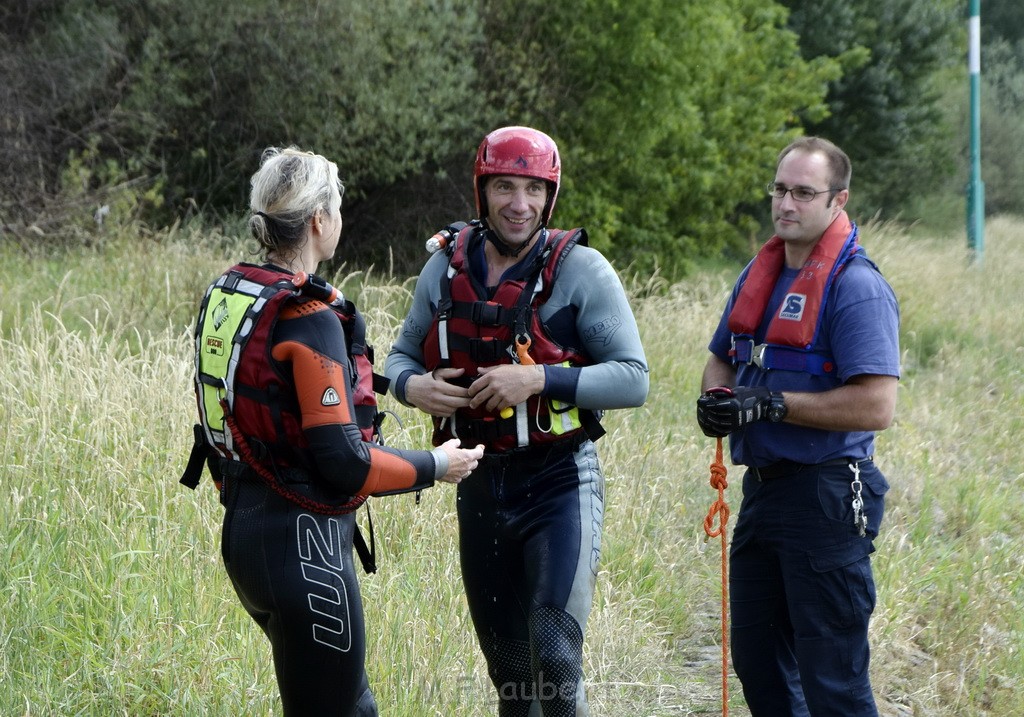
225,313
565,417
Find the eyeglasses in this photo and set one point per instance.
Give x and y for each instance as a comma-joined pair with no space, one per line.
777,190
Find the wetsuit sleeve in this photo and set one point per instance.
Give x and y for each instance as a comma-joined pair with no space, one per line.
606,329
406,356
309,344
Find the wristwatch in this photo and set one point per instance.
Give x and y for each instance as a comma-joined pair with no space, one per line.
777,408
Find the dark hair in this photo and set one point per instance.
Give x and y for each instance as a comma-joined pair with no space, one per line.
838,162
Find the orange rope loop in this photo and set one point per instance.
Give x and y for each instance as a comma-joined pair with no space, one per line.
721,509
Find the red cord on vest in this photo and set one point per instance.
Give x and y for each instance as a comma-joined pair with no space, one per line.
314,506
721,509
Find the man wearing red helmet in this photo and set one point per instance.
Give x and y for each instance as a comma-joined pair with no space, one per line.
518,338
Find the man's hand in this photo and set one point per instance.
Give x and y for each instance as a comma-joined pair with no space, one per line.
431,392
720,411
506,385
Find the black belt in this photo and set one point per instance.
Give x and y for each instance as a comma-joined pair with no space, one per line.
786,468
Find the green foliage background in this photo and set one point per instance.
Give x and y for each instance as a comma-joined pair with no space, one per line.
885,109
672,116
669,114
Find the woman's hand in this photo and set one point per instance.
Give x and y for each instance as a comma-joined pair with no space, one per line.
461,461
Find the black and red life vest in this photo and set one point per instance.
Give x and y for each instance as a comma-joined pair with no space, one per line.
793,329
470,330
236,379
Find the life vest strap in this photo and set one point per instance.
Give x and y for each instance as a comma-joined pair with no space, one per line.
541,453
481,350
288,475
193,472
367,552
782,358
482,313
490,430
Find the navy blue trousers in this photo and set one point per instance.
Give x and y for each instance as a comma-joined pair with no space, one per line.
802,592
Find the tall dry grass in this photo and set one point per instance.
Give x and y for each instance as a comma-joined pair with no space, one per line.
114,600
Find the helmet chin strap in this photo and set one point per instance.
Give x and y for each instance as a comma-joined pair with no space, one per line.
503,248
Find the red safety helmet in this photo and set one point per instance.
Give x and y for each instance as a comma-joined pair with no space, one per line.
520,151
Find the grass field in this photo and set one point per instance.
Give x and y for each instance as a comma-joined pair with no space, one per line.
113,598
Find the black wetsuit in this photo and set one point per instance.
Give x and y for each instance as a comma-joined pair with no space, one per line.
530,530
294,573
530,520
292,567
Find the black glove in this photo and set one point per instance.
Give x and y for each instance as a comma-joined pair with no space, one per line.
720,411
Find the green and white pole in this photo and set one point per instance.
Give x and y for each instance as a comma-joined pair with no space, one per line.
975,187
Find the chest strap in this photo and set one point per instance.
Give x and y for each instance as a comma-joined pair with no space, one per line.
783,358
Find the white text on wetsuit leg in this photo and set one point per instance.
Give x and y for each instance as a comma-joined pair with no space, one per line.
322,567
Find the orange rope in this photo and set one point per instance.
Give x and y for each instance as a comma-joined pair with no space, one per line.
721,509
245,452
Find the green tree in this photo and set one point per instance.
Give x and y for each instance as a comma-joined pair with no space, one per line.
1002,105
1002,128
669,116
60,68
885,108
1002,19
359,81
191,91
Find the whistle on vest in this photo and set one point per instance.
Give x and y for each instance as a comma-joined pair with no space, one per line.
523,358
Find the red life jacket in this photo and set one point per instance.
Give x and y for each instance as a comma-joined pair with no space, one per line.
233,362
470,331
793,329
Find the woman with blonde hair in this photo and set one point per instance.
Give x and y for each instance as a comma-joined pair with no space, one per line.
287,420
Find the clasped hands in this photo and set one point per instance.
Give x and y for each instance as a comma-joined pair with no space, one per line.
496,387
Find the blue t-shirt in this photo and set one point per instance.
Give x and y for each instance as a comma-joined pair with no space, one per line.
860,331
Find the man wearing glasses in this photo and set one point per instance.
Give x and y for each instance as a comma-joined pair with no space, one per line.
802,372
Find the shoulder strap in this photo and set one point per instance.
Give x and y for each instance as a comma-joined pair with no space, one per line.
367,553
193,472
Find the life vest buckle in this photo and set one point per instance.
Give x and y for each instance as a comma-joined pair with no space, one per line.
757,354
769,357
746,351
444,308
487,313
